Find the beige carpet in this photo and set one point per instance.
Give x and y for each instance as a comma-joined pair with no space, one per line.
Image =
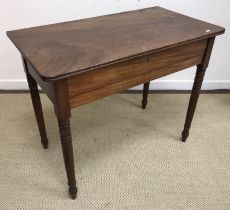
125,157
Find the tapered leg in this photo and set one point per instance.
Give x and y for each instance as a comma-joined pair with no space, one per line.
193,100
145,95
196,88
37,109
67,149
63,113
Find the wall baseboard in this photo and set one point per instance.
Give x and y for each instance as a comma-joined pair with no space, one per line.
155,85
185,85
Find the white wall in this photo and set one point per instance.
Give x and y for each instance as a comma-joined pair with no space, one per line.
15,14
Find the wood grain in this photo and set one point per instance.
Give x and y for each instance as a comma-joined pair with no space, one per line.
135,80
192,52
59,50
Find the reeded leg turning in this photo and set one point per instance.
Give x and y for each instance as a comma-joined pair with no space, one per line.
67,149
145,95
37,108
193,100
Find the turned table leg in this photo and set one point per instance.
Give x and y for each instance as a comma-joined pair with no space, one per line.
67,150
193,100
37,106
63,113
145,95
201,68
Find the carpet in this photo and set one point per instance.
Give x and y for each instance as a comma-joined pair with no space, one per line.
125,157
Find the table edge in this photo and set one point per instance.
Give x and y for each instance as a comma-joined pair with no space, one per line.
75,73
83,70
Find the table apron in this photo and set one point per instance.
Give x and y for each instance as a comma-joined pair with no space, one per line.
93,85
47,87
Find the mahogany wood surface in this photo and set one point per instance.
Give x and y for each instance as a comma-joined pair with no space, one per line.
177,57
62,49
167,61
81,61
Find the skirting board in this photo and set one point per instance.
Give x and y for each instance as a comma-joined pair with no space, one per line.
155,85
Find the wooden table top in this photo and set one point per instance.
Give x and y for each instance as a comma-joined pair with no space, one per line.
64,49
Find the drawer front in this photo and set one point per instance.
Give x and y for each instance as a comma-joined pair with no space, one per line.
103,76
110,89
181,57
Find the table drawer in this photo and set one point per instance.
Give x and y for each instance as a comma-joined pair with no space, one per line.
106,75
189,54
110,89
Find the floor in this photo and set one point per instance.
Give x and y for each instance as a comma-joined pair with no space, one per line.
125,157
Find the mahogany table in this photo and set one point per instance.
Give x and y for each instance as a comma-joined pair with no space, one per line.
78,62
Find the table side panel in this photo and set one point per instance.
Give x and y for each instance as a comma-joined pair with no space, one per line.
124,84
103,76
47,87
160,64
192,53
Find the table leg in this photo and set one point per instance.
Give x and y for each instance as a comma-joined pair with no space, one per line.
37,106
201,68
67,150
145,95
63,113
193,100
